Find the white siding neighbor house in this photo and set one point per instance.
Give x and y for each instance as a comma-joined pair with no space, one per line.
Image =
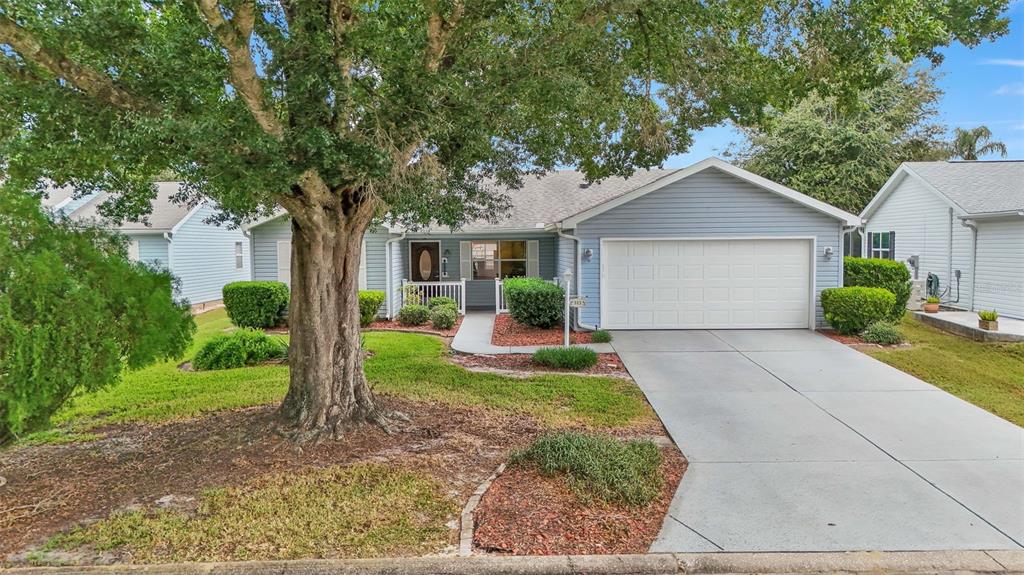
707,246
960,222
202,255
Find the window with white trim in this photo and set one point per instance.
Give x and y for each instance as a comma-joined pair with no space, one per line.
499,259
880,245
239,264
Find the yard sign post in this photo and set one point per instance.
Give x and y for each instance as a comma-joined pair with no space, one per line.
568,290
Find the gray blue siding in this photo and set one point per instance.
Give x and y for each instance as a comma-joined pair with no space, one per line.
203,257
153,249
1000,271
709,204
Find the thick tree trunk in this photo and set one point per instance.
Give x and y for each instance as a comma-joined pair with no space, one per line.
328,391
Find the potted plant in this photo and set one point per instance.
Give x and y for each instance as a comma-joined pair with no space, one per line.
987,320
931,305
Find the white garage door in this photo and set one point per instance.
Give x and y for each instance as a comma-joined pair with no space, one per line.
700,284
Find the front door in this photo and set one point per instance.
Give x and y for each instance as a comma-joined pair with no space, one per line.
425,261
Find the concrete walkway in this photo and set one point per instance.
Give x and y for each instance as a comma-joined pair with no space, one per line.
799,443
474,336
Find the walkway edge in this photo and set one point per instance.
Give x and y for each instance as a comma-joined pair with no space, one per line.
648,564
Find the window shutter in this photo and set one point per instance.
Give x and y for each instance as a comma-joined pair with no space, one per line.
362,266
892,245
465,260
284,262
533,258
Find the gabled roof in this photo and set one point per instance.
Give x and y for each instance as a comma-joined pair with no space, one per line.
56,198
721,165
166,214
976,187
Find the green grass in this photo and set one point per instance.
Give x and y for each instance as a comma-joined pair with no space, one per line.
989,375
408,365
362,510
599,467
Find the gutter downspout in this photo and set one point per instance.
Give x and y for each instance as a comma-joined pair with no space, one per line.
390,270
949,258
973,226
579,260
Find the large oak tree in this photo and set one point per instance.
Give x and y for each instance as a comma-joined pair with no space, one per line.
346,111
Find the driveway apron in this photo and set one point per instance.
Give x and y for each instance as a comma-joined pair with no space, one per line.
799,443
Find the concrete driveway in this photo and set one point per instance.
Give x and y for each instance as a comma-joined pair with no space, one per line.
799,443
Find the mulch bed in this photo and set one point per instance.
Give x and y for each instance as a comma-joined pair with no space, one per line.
607,364
508,331
50,488
525,513
393,325
856,341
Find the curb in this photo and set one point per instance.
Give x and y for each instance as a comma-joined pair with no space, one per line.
648,564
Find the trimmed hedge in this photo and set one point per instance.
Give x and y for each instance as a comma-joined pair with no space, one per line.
534,302
882,333
573,357
851,309
887,274
369,304
443,316
441,300
256,304
413,315
238,349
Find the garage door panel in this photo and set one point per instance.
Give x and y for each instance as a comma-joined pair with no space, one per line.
706,284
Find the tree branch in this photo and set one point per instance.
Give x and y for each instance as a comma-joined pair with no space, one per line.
241,65
89,81
439,31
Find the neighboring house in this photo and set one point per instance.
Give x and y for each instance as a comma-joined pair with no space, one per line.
61,201
203,256
963,222
708,246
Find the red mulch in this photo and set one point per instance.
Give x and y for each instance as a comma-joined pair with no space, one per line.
508,331
525,513
607,363
845,339
393,325
51,488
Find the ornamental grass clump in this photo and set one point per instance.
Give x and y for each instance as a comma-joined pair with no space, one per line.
574,358
882,333
239,349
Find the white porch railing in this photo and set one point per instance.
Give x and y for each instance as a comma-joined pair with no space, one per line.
500,306
423,291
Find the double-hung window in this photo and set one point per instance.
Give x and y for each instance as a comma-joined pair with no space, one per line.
239,262
881,245
496,259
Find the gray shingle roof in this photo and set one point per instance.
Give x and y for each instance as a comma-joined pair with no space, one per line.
55,196
550,198
977,187
165,215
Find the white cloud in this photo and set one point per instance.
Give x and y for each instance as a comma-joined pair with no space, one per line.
1013,89
1004,62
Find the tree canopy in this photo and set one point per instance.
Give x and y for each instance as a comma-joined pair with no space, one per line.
974,142
844,154
74,312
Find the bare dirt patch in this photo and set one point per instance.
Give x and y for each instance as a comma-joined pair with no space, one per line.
526,513
857,342
51,488
508,331
607,364
393,325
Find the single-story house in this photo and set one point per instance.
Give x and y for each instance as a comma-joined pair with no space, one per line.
707,246
963,223
202,255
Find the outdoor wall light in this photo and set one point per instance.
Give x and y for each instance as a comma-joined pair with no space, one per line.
588,254
828,252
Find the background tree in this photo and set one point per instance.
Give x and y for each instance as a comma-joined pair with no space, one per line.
74,312
975,142
345,111
843,154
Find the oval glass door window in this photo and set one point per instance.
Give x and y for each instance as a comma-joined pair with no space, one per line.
426,265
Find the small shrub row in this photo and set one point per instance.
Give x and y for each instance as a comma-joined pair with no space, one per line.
574,357
413,314
442,316
256,304
882,333
887,274
851,309
369,305
599,467
442,300
240,348
534,302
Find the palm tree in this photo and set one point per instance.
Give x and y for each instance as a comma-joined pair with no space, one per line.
969,144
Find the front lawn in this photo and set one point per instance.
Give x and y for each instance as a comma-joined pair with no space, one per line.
989,375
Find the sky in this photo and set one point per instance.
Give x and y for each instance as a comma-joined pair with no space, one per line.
983,85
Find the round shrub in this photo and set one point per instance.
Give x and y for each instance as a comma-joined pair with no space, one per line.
851,309
256,304
413,315
369,305
882,333
573,357
443,317
534,302
239,349
887,274
441,300
601,336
